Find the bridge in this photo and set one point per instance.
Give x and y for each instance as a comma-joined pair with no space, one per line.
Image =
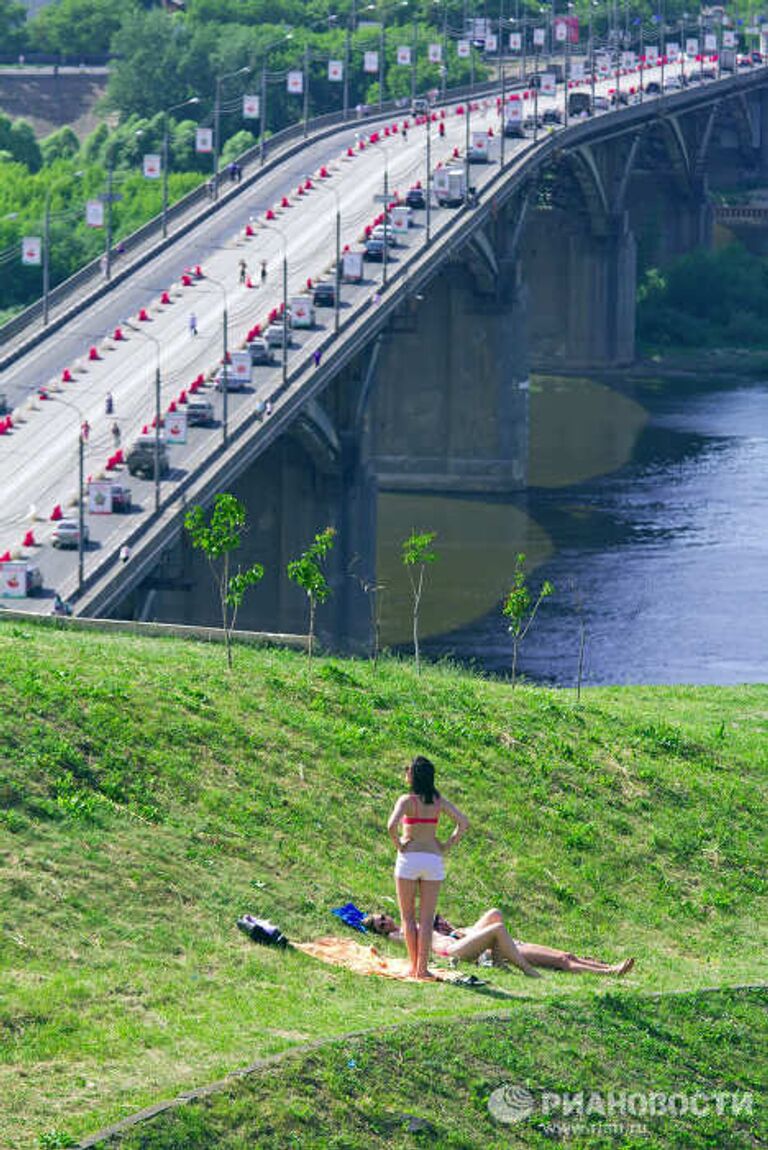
423,387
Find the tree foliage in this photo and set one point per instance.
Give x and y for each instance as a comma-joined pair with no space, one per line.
521,607
307,572
417,555
217,538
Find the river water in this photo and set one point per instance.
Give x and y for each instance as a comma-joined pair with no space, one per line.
647,508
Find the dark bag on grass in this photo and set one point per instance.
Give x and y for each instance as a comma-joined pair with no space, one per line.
262,930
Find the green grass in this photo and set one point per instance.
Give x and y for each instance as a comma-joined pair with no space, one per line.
147,798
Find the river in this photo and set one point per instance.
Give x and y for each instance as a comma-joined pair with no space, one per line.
647,508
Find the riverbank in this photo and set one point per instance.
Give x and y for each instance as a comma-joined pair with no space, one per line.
148,798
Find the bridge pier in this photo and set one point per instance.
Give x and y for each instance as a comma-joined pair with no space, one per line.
582,292
449,412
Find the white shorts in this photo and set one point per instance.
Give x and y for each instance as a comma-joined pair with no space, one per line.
420,864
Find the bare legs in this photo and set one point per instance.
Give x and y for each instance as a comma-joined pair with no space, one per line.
418,933
496,937
562,960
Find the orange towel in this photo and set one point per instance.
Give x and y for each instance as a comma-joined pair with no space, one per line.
361,959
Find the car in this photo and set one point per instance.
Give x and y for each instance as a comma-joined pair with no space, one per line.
199,411
579,104
121,498
708,73
420,106
673,84
261,352
653,88
234,382
140,459
552,116
34,580
66,533
744,62
4,408
385,235
414,198
756,57
374,250
621,98
324,295
514,130
276,333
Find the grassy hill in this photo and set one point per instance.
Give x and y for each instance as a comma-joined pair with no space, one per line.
147,798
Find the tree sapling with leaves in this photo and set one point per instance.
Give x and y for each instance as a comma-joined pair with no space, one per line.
417,553
217,539
520,608
307,573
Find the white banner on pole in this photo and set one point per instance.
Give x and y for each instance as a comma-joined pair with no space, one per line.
295,83
32,251
371,62
13,580
435,53
539,37
152,166
462,49
335,70
561,31
404,55
627,59
651,55
710,42
729,39
100,497
577,69
240,368
491,42
176,427
604,65
548,84
513,112
673,50
515,41
94,214
691,47
204,140
251,107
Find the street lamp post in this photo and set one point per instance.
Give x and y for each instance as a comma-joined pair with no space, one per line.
337,288
166,150
47,246
428,231
225,360
217,123
80,494
281,234
306,91
263,108
158,417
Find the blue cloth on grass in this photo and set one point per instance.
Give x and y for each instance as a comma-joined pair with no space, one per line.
351,915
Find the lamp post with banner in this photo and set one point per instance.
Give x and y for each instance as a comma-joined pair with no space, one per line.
217,123
224,360
46,246
81,441
264,83
166,152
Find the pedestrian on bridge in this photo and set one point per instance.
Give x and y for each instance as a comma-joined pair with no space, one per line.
243,271
263,272
109,404
116,435
192,323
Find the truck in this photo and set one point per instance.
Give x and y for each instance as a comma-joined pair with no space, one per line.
450,186
479,148
352,267
728,60
579,104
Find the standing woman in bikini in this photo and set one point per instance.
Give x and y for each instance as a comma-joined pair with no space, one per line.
420,869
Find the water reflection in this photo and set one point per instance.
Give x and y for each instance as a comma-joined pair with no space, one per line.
655,522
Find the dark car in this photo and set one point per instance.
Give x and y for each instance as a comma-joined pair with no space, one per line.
261,352
514,130
199,411
579,104
757,57
121,497
414,198
324,295
653,88
4,408
374,250
552,116
141,459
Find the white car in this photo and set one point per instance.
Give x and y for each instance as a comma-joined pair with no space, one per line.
275,333
378,234
66,533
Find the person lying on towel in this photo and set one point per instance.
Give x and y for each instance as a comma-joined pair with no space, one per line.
490,934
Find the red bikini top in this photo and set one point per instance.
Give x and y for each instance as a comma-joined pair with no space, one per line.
409,820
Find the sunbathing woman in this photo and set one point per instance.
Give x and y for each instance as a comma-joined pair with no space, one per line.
490,933
420,869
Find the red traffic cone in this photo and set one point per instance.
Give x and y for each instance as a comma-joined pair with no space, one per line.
111,463
285,202
361,145
248,282
66,375
194,387
249,232
455,152
145,429
143,315
5,557
93,354
350,151
29,540
57,513
199,272
308,185
119,457
323,173
182,396
165,297
172,406
309,284
270,214
300,190
186,280
117,334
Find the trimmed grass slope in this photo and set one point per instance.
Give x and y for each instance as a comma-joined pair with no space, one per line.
147,798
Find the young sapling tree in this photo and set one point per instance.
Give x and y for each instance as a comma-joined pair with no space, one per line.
520,607
417,554
217,539
307,573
